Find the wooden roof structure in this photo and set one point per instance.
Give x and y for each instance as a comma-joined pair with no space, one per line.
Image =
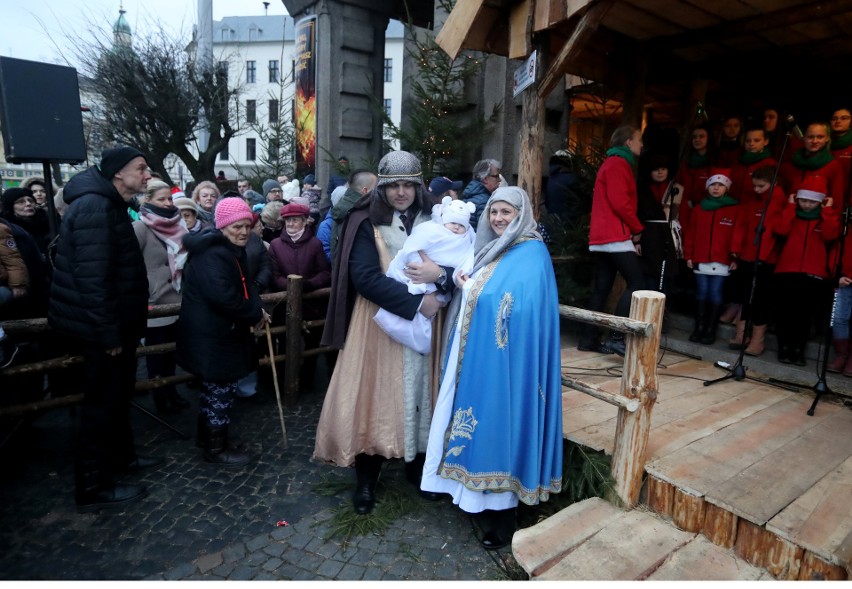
666,52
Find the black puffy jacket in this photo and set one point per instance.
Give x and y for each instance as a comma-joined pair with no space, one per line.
220,305
100,287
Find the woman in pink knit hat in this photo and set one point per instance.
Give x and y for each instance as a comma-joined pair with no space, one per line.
220,307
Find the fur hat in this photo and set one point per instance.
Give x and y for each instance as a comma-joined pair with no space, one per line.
455,211
295,210
112,160
270,185
230,210
310,179
11,196
719,176
399,166
337,194
442,184
186,204
812,188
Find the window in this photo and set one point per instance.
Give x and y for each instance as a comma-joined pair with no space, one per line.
223,155
251,72
388,70
251,111
388,106
273,71
273,111
251,149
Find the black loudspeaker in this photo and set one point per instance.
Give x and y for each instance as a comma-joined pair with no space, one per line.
40,112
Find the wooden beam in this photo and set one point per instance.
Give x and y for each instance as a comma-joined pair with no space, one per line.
520,26
531,132
458,25
785,17
587,25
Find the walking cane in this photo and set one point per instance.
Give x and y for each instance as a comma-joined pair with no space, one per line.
275,381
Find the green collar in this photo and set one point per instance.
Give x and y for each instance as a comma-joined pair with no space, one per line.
696,161
803,161
708,203
808,215
749,158
624,152
841,141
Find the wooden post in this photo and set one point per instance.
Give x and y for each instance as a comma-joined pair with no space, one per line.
531,133
293,351
638,381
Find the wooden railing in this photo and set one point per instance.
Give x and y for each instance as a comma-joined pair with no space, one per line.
638,392
293,352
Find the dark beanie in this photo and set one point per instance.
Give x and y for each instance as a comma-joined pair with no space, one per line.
13,194
115,158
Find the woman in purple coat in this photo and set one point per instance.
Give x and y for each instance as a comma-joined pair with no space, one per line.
298,251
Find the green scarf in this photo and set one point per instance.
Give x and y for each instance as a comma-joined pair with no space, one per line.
709,203
841,141
749,158
808,215
624,152
696,161
814,162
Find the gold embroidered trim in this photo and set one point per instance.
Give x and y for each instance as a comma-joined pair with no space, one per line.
500,482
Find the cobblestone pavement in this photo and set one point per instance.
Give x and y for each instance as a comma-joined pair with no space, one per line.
203,522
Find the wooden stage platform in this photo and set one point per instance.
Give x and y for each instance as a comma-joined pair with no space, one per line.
740,462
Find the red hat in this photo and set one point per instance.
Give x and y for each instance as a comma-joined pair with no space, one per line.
719,176
294,209
812,188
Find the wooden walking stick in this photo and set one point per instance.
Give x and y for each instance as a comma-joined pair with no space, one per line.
275,381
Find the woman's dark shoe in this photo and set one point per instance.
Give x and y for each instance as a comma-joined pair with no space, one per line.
141,462
784,355
364,500
798,358
491,541
593,346
429,495
616,344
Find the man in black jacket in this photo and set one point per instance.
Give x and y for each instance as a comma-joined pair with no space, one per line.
98,301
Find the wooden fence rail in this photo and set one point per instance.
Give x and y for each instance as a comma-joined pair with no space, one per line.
291,358
638,392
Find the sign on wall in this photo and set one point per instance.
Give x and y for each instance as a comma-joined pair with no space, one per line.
524,75
306,96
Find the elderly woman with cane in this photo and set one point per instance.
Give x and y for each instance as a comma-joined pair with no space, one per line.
496,434
220,306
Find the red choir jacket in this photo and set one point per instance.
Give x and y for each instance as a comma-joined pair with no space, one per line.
791,178
807,241
843,157
741,177
709,236
751,209
614,203
694,182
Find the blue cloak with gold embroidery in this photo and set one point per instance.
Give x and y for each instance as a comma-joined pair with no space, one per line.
505,434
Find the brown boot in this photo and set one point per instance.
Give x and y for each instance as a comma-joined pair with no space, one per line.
737,342
758,338
841,355
731,314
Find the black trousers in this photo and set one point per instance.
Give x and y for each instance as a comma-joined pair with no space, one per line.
104,437
761,306
803,294
606,266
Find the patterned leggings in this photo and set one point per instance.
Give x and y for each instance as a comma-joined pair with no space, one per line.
216,402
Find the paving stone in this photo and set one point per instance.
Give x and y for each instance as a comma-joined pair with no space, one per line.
351,572
180,572
234,552
287,571
272,564
400,568
243,573
330,568
209,561
257,543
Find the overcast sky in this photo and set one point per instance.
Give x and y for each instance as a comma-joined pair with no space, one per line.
38,29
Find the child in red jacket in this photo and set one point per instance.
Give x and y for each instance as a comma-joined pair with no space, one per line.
809,223
744,249
707,250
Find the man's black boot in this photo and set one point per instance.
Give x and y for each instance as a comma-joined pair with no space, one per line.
94,490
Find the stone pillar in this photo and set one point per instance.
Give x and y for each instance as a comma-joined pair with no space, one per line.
350,61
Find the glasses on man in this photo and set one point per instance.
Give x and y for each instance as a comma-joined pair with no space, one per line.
275,190
842,118
493,176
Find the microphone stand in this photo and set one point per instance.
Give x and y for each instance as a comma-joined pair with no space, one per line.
821,387
738,370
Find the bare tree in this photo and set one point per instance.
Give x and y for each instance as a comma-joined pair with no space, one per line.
153,94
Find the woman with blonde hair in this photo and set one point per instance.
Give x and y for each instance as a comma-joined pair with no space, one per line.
205,195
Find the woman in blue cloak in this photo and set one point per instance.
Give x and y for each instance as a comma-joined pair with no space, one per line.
496,433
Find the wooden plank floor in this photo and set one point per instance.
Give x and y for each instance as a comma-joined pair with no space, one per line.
745,447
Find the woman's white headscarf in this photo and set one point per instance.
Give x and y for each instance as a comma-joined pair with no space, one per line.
488,244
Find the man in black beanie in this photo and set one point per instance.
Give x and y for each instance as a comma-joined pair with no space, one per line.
98,302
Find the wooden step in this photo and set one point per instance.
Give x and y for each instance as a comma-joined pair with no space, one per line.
594,540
